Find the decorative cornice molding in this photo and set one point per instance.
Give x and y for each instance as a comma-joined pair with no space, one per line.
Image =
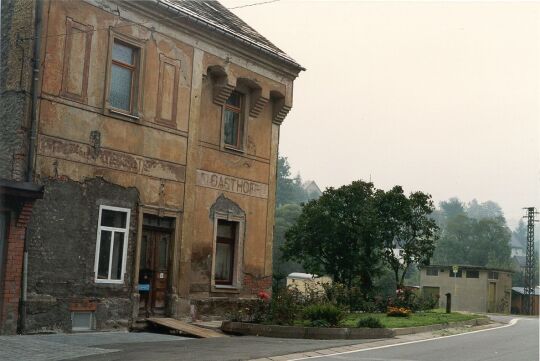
280,112
222,92
257,104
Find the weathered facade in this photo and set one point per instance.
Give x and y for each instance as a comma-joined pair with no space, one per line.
18,192
157,127
474,289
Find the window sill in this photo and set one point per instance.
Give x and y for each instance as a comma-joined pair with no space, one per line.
109,282
120,114
232,149
225,289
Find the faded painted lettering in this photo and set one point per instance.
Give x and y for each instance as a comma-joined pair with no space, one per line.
231,184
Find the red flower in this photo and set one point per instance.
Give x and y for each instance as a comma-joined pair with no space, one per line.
263,295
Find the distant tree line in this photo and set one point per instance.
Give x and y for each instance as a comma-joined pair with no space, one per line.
290,196
472,234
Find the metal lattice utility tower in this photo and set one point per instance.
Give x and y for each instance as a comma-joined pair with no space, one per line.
529,262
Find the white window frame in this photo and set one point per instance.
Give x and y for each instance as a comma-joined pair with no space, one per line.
98,244
91,321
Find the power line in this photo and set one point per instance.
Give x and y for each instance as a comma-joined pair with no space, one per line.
254,4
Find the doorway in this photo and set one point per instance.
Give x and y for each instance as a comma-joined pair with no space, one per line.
492,291
154,265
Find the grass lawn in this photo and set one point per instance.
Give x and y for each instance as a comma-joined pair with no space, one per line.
415,319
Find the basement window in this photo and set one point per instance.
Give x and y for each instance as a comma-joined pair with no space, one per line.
82,321
111,245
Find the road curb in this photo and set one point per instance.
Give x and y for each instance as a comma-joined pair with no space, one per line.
441,326
338,333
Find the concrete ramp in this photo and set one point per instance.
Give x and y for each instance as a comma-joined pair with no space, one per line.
185,327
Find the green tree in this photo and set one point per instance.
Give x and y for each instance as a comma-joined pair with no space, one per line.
520,233
339,235
466,240
289,189
451,208
406,225
286,216
488,209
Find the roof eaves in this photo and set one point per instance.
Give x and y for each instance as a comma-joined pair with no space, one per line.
198,19
465,266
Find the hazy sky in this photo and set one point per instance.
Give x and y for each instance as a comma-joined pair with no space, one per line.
438,97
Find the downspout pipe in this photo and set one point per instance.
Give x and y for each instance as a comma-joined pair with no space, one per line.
35,84
31,150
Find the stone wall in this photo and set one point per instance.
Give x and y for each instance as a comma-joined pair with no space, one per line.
62,246
15,85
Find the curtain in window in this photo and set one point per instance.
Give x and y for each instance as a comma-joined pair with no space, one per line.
223,271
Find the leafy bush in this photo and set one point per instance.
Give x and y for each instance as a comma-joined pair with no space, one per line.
285,306
425,303
326,312
349,297
256,311
369,322
319,323
398,312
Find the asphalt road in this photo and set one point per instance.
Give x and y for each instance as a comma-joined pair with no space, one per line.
212,349
519,342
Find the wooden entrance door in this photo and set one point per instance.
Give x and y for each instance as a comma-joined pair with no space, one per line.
154,270
492,302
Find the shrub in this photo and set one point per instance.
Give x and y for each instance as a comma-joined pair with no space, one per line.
349,297
398,311
285,306
256,311
326,312
319,323
425,303
369,322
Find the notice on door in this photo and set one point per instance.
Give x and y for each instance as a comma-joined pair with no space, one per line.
231,184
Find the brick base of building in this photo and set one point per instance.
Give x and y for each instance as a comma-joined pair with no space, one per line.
10,292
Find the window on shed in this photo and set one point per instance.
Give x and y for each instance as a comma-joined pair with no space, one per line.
473,274
432,272
458,274
492,275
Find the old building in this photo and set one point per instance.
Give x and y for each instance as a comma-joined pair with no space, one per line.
474,289
156,132
519,300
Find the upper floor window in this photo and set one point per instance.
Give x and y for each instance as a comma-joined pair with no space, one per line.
492,275
111,246
432,272
233,121
122,93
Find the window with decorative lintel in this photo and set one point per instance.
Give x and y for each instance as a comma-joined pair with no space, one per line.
228,249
